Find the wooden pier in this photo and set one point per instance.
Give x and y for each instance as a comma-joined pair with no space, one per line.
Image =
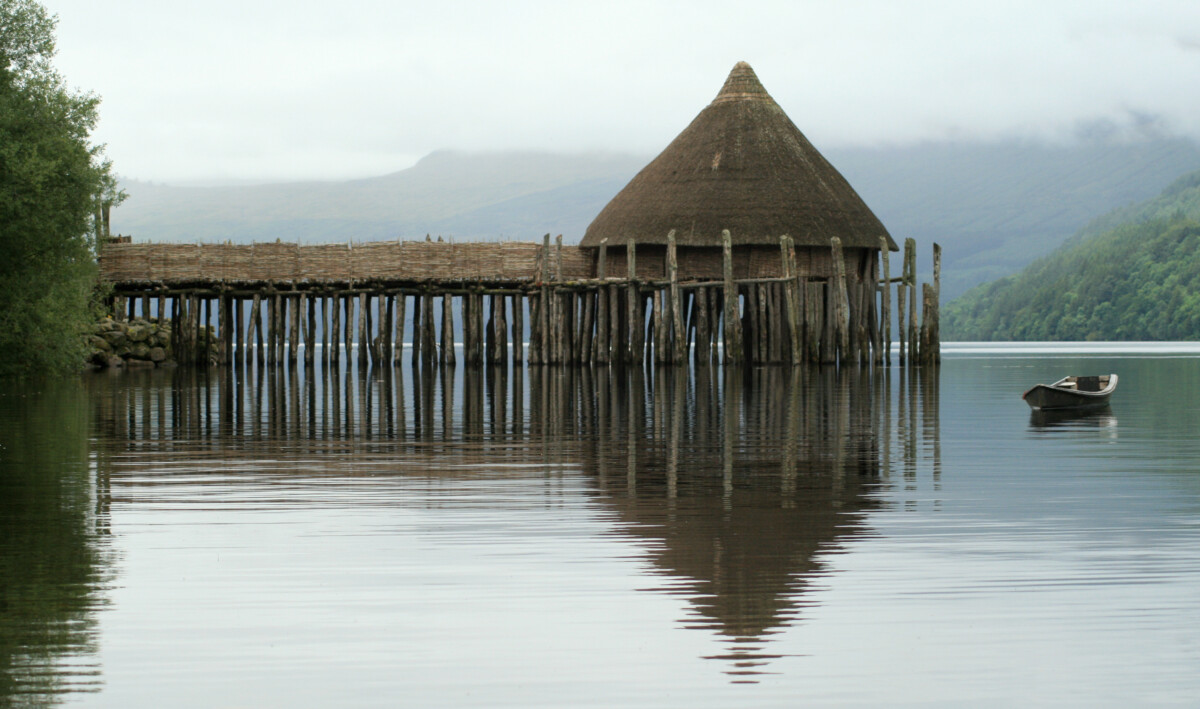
381,303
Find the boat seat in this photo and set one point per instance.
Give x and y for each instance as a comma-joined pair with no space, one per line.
1088,384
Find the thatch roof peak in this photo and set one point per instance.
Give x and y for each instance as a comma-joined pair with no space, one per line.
740,165
742,85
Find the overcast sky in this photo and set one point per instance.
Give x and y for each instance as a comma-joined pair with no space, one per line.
299,89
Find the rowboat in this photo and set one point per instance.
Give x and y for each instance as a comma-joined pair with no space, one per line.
1072,393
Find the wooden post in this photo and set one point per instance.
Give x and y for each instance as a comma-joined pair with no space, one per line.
931,345
733,323
382,332
348,330
448,355
310,333
364,336
293,327
636,322
239,341
901,292
585,351
885,318
535,327
428,338
679,335
222,326
840,301
544,306
255,324
398,348
272,325
416,329
326,328
910,265
703,335
497,344
790,301
660,328
518,329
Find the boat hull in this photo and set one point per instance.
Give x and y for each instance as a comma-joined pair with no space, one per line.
1061,395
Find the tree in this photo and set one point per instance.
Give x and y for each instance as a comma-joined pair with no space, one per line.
52,179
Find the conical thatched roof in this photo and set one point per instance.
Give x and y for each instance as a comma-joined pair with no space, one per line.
741,165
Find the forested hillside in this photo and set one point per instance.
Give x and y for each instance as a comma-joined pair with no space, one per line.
1131,275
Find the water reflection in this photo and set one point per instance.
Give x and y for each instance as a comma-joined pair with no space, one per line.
736,484
1073,418
53,548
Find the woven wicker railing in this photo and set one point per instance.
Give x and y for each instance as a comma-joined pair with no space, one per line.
380,261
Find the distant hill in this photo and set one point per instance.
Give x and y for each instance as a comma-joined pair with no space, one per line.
994,207
465,195
1131,275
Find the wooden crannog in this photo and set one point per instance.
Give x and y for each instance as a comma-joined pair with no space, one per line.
746,197
739,243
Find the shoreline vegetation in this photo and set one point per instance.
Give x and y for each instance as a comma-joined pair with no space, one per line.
53,184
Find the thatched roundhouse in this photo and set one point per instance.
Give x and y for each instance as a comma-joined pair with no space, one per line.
740,165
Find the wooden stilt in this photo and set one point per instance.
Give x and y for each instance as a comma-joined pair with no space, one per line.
678,334
272,327
733,324
239,340
703,335
910,267
256,324
661,331
293,302
840,301
518,329
348,327
364,334
398,348
587,343
416,330
428,338
635,324
448,355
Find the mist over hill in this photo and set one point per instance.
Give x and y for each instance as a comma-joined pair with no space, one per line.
994,207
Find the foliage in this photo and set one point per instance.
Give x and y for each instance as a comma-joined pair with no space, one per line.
51,181
1131,275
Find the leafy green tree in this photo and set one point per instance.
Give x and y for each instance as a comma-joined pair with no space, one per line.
52,179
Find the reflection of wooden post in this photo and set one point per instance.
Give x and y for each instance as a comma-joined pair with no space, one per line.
733,325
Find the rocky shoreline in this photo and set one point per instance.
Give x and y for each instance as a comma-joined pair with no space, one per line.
133,343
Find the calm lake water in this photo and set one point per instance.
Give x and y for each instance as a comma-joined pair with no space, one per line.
573,538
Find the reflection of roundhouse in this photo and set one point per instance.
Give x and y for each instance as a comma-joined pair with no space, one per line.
738,488
743,166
